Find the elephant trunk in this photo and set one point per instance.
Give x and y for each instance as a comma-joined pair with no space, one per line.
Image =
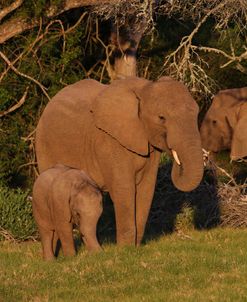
187,170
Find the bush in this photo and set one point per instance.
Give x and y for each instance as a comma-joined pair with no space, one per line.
16,219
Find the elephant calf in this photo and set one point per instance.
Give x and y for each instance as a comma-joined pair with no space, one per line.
64,196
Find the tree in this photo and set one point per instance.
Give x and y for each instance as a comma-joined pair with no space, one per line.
46,45
131,19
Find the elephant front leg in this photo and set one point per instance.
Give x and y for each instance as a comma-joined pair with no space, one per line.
89,216
144,195
89,238
143,204
123,197
65,234
118,171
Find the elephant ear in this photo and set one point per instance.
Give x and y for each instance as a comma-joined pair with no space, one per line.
239,141
232,114
116,111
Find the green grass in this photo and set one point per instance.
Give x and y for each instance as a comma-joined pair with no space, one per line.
196,266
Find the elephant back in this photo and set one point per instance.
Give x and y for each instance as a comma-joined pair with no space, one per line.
63,124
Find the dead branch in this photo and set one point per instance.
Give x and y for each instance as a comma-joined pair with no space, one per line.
17,105
40,37
233,10
180,62
7,10
54,10
231,58
17,25
76,24
30,136
25,52
27,164
187,40
108,50
237,187
32,164
2,55
233,205
7,235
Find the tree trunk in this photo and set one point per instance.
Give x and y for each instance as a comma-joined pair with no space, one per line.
126,40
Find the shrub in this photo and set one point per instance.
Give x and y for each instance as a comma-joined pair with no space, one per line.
16,219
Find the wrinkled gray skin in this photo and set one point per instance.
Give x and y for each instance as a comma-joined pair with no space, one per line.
116,134
62,197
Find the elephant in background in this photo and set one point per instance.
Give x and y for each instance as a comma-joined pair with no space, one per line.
224,126
63,196
116,134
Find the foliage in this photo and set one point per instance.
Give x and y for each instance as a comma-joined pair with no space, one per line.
54,66
16,220
62,49
188,267
184,220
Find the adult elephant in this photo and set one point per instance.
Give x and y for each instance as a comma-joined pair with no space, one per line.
116,134
224,126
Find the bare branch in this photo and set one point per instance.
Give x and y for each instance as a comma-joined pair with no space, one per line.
39,41
7,10
15,26
25,52
18,25
2,55
17,105
7,235
180,62
54,10
232,58
233,10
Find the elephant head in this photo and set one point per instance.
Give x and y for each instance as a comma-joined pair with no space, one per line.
224,126
143,116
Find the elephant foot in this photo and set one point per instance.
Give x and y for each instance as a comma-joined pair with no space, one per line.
92,246
126,239
48,257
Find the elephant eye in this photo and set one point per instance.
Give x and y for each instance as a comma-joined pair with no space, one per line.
214,122
162,118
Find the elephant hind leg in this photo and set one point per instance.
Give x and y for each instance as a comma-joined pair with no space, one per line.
56,244
46,241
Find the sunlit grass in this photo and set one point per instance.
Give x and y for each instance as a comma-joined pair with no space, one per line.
196,266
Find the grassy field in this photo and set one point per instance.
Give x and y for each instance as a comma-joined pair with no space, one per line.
196,266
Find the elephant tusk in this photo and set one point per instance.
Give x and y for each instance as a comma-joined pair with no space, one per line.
205,155
205,152
175,155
